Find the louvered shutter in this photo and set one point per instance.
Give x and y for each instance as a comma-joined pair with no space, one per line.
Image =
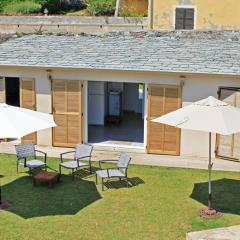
229,146
67,111
2,90
28,100
163,139
184,18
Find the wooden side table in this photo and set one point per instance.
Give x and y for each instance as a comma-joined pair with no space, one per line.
44,176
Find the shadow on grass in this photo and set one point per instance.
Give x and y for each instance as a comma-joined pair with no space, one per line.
66,198
132,182
225,193
85,172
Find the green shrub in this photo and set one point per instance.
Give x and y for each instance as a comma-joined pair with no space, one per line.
57,6
126,13
53,6
25,7
101,7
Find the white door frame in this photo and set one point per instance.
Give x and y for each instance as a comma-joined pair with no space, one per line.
85,114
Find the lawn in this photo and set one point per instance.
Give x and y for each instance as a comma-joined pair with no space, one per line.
161,204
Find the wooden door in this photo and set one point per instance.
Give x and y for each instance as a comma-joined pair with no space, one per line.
229,146
163,139
28,100
67,111
2,90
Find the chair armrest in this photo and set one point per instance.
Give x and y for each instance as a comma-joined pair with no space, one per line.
61,154
84,157
45,155
106,161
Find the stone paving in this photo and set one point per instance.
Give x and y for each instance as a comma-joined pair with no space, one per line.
230,233
139,158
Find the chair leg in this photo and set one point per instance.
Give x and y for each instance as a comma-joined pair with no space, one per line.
17,166
96,179
72,175
102,184
127,182
60,171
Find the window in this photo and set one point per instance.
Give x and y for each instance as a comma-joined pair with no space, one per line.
184,18
140,91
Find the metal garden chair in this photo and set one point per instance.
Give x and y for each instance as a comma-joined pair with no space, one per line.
82,158
27,150
120,171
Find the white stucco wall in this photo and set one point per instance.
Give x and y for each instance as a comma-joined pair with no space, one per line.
195,87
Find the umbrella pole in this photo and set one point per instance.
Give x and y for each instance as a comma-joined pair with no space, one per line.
209,212
0,194
210,173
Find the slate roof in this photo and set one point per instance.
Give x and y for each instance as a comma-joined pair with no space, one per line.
211,53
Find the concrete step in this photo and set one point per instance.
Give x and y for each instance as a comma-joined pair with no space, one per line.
229,233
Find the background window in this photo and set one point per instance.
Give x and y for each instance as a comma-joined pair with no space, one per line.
140,91
184,18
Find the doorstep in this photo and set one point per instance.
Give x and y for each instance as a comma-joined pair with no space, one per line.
229,233
118,147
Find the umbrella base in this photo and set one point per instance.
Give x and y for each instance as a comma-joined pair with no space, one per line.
209,213
5,204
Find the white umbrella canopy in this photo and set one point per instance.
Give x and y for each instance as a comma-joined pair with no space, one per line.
17,122
208,115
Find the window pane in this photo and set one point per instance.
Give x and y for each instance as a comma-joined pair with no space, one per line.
140,91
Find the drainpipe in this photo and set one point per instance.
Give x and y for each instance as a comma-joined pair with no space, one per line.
150,14
117,8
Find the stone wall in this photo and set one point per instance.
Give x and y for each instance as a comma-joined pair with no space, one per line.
63,24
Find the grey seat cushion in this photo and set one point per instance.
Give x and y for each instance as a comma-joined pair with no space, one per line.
73,164
112,173
35,163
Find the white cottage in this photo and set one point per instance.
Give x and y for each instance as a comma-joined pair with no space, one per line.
151,74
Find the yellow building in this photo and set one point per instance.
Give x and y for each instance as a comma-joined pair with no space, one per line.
194,14
133,7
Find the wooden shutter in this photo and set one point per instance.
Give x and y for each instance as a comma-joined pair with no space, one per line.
179,15
184,18
67,111
189,18
28,100
2,90
229,146
163,139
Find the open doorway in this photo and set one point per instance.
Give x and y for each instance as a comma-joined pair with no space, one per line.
116,113
12,91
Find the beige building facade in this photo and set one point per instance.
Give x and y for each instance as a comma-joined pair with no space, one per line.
193,87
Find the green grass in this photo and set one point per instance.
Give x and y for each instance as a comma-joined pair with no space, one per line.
162,204
26,7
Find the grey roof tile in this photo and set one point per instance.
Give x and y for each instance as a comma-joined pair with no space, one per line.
125,52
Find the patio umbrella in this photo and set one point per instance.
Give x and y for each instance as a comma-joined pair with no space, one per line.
208,115
17,122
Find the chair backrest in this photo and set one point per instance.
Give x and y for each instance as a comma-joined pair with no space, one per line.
25,150
123,161
83,151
